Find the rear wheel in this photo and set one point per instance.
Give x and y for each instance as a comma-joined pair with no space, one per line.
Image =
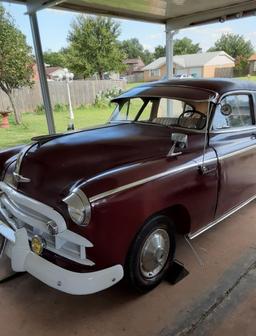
151,254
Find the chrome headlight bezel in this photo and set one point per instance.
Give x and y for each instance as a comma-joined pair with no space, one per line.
79,207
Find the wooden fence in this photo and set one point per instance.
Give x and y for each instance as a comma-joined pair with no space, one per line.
83,92
135,78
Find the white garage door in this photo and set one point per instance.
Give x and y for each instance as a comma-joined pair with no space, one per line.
181,72
196,72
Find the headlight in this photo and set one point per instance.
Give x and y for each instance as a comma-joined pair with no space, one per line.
79,207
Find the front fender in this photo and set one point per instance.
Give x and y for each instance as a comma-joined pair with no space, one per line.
6,154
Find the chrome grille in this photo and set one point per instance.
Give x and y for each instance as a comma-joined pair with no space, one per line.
17,215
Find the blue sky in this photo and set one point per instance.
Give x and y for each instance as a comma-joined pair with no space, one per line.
54,27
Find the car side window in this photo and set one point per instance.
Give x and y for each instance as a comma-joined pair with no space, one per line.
233,111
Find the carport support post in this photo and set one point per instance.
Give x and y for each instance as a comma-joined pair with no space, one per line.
41,71
169,52
169,61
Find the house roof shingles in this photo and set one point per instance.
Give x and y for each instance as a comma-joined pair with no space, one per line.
50,70
187,61
253,58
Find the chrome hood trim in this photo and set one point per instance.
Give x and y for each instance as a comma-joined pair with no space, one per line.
19,178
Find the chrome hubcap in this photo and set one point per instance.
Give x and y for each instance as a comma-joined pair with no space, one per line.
154,253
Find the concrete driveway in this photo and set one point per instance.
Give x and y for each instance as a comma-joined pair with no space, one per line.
216,299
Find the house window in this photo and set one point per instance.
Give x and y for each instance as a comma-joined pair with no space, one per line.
254,66
154,73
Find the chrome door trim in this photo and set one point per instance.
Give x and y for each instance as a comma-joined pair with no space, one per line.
234,130
166,173
137,183
240,151
221,218
183,167
143,181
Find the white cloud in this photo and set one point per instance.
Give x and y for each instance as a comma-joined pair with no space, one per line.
206,36
149,47
156,36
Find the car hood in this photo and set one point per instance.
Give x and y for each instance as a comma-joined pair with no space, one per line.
56,164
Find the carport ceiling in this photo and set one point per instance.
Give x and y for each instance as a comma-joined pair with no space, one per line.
178,13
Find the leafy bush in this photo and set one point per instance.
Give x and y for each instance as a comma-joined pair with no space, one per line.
60,107
81,107
57,108
40,109
103,98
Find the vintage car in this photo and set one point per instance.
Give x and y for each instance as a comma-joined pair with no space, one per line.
81,210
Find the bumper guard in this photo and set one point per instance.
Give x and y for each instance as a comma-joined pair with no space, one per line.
23,259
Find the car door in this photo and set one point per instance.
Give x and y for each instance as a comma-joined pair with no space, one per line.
233,137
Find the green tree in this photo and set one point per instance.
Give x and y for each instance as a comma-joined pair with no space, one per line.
55,58
134,49
185,46
147,56
16,62
233,44
236,46
180,47
93,46
159,52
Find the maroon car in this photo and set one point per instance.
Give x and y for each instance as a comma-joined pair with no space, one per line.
81,210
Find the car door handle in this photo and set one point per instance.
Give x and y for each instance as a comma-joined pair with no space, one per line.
205,170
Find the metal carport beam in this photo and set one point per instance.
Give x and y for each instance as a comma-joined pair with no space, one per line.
40,64
35,6
231,12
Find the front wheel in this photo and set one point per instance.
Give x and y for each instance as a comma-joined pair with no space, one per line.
151,254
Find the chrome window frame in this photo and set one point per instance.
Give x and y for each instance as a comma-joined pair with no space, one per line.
252,95
188,130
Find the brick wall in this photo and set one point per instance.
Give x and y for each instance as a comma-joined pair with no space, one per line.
148,78
211,71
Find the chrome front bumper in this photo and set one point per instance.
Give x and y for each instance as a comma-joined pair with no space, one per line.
17,226
23,259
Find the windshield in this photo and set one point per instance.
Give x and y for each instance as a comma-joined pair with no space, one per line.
167,112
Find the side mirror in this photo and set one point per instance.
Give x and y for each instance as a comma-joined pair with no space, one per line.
226,109
180,141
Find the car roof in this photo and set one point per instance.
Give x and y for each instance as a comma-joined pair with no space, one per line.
218,85
189,89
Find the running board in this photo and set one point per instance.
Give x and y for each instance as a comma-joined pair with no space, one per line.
226,215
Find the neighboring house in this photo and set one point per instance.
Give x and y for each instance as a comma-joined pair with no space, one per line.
134,65
207,65
134,69
35,71
55,73
252,64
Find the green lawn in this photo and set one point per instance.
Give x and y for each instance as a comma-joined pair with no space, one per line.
248,78
132,85
35,124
